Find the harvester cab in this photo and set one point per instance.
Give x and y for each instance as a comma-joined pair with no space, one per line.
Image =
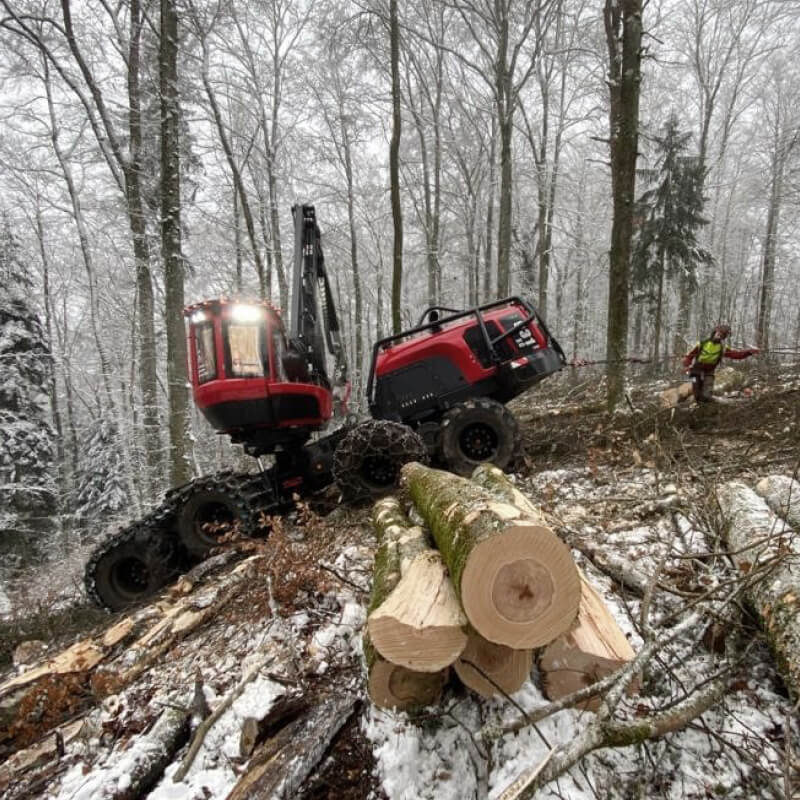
254,382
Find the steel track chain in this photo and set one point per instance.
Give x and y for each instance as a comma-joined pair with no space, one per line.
155,533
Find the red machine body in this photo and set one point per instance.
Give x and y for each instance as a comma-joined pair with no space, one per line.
237,362
496,350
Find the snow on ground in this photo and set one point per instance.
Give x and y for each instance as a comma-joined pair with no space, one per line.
735,750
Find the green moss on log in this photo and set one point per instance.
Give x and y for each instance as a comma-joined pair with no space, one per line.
400,542
459,513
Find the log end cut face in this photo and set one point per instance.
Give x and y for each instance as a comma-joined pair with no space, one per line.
392,686
521,588
488,668
423,650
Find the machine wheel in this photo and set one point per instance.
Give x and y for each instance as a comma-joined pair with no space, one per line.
209,513
367,461
131,572
478,431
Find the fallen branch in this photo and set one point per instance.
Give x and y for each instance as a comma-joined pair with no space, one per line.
208,723
281,765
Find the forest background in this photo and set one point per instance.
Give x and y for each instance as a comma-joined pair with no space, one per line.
150,154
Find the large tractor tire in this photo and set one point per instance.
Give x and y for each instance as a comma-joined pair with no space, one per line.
132,571
478,431
215,508
367,461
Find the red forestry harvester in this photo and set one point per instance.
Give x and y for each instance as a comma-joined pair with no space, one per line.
436,391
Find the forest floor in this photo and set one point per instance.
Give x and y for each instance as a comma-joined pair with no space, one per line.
636,488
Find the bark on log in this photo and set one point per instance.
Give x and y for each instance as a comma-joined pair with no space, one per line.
281,765
595,645
151,755
763,550
515,578
419,623
491,669
592,649
285,708
782,495
392,686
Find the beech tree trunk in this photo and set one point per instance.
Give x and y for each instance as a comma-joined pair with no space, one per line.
623,26
515,578
762,549
415,619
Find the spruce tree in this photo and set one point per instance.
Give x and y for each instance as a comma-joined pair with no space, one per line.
671,214
28,496
101,492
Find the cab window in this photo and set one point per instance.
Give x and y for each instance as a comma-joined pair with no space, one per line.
206,353
245,350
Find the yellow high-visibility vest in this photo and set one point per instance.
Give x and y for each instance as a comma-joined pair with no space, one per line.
710,353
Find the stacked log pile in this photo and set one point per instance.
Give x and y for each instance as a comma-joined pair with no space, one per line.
492,589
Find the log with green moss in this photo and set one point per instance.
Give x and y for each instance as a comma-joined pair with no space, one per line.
594,646
764,550
418,622
491,669
515,578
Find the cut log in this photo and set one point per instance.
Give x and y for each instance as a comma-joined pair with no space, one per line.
670,398
759,541
491,669
515,578
419,624
392,686
281,765
593,648
595,645
782,494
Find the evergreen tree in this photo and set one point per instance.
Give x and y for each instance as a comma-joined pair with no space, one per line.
101,487
671,214
27,485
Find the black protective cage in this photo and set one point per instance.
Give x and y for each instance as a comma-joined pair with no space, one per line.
436,321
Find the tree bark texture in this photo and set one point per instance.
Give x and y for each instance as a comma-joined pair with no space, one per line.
623,26
279,767
394,170
782,495
763,551
178,396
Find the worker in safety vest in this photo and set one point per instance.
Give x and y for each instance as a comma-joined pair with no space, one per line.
703,358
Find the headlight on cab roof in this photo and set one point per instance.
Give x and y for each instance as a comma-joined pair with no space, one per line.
246,313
